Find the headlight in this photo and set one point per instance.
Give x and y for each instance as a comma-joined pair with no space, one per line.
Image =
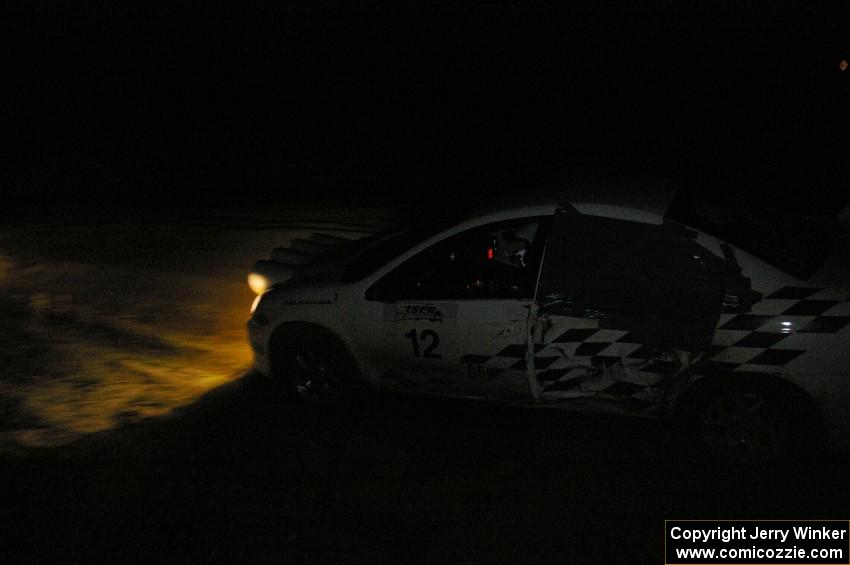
258,283
256,303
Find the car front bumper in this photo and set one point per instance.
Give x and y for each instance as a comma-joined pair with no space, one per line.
258,336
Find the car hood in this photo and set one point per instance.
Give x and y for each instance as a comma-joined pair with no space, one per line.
320,259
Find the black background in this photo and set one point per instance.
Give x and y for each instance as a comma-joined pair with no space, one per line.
168,105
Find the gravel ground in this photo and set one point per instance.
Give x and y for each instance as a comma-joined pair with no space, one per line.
106,323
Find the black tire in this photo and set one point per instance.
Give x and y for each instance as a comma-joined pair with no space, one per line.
313,367
751,418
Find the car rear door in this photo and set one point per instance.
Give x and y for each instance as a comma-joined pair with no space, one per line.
624,308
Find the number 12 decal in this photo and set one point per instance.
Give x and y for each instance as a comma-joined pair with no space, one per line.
432,345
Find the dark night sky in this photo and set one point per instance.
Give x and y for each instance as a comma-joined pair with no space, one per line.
173,103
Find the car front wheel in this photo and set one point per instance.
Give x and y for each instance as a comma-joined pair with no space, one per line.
314,368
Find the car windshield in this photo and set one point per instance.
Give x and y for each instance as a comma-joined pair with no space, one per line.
386,247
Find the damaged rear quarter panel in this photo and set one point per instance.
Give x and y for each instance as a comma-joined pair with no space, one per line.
635,313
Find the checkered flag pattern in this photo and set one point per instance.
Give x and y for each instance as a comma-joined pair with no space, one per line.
588,361
585,361
777,330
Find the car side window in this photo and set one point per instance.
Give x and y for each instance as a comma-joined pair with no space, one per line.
654,280
495,261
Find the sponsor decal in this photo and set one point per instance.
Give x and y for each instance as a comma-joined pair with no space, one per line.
415,312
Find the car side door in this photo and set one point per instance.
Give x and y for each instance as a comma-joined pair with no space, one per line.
625,308
454,318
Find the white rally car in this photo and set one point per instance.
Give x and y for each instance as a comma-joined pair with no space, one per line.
583,304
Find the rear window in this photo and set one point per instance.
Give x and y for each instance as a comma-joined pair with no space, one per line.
791,242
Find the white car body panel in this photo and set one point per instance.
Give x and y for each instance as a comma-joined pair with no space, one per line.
806,323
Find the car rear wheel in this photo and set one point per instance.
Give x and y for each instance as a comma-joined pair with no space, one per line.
753,421
745,424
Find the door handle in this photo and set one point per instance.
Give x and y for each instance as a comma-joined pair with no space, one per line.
498,329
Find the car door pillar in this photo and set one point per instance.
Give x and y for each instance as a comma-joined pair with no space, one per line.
533,336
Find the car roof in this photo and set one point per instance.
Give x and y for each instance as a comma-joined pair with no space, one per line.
629,198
